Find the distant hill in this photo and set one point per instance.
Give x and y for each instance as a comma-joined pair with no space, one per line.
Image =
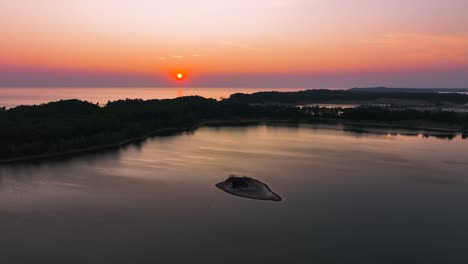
409,90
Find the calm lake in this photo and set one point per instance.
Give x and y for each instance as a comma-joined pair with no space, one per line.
348,197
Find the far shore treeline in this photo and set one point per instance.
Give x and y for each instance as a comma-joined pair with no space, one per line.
74,125
352,95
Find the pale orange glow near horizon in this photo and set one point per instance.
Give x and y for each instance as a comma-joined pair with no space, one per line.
216,37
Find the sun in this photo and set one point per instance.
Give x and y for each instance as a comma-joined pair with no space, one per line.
178,75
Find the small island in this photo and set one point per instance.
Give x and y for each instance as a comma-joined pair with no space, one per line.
248,188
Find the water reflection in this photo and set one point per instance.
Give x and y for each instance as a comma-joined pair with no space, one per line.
180,92
344,191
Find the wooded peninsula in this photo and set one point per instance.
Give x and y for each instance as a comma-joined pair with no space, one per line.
72,126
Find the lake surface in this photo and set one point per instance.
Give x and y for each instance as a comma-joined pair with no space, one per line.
348,197
10,97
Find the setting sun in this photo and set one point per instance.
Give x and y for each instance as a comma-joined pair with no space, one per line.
234,129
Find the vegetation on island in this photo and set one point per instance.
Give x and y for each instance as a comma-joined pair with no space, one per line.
70,125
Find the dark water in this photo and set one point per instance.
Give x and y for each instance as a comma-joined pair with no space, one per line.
347,198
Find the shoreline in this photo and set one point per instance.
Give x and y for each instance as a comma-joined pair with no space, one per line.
157,132
218,123
401,126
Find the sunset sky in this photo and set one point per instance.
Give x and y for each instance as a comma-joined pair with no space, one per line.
264,43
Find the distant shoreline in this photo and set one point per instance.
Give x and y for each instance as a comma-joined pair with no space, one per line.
222,123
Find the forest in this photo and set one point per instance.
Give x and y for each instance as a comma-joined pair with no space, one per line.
350,95
69,125
72,124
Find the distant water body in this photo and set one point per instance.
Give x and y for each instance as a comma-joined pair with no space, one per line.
348,197
11,97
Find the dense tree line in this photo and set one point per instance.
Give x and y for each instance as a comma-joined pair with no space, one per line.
386,114
72,124
322,96
408,90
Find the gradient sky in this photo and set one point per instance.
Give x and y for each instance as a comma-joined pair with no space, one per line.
271,43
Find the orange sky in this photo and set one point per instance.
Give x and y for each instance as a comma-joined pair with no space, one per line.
243,36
